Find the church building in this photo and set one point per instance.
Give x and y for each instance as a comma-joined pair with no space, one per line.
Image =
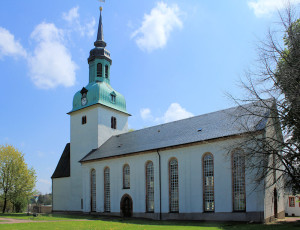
191,169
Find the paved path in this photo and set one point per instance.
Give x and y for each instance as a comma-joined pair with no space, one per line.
290,219
16,221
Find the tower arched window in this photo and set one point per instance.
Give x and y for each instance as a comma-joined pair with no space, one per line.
113,122
173,185
149,187
99,70
238,180
126,176
106,190
208,182
93,190
106,71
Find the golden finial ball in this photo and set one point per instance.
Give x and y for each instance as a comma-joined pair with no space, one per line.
101,8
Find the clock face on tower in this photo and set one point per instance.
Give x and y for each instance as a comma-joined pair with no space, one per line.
83,100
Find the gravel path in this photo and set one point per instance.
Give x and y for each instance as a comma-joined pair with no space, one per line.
16,221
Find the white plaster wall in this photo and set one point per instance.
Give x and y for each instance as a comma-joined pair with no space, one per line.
190,180
292,210
104,123
89,136
137,182
61,194
269,180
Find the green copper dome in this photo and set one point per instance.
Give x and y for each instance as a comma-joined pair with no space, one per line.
99,90
100,93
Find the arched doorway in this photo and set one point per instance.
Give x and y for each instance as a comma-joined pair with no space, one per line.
126,206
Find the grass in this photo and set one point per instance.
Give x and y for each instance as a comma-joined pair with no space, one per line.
134,224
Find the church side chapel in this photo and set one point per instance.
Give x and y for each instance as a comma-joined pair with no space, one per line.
188,169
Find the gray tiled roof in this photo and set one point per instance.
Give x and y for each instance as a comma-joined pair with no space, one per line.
224,123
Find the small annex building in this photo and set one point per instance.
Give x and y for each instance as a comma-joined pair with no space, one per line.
189,169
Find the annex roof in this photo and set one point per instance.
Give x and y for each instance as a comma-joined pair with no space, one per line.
223,123
63,166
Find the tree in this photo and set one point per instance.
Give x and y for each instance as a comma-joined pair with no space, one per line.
274,86
16,179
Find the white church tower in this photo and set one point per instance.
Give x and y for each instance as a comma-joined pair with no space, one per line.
98,113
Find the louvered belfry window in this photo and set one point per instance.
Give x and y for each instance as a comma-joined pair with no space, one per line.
208,183
173,186
126,176
238,174
93,190
106,71
149,187
107,190
99,70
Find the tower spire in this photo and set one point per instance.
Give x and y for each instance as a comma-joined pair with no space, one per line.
100,38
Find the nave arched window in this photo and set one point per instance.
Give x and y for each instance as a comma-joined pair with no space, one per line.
126,176
106,190
149,187
93,190
173,185
238,180
208,182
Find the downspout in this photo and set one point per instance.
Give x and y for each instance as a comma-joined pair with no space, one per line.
159,163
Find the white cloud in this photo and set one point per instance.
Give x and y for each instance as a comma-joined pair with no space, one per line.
267,7
73,18
174,112
146,114
51,64
9,46
71,15
157,26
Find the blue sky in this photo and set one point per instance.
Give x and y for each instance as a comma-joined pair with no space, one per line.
171,59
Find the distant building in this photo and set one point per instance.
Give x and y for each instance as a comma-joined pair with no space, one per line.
188,169
292,205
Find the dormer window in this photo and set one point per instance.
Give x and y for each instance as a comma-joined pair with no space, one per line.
99,70
113,97
106,71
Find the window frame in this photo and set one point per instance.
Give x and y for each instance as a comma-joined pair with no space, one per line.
106,208
93,209
147,187
170,186
113,121
106,71
204,179
83,120
238,151
99,73
290,203
126,186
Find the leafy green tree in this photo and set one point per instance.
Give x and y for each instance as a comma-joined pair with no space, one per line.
16,179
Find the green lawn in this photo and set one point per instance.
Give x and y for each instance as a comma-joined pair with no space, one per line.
124,224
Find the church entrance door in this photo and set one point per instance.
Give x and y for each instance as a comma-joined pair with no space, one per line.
126,206
275,204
